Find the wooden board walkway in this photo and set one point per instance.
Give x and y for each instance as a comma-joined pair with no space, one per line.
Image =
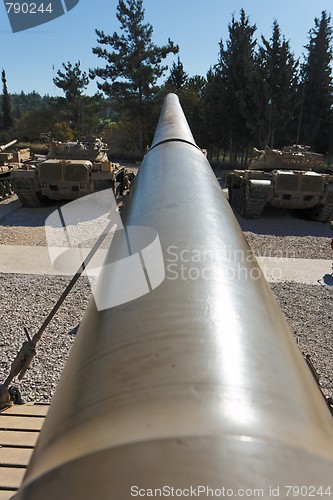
19,431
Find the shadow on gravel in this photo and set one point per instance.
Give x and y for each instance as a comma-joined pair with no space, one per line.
28,217
279,222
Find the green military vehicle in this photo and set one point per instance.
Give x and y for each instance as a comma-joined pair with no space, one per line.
71,170
292,178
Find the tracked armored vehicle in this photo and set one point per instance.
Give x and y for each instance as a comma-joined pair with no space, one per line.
70,171
290,178
9,161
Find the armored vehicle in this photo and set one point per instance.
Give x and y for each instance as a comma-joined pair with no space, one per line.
71,170
290,178
10,160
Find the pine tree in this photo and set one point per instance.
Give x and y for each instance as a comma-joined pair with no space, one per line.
274,89
215,132
133,62
6,108
73,82
178,76
317,86
234,72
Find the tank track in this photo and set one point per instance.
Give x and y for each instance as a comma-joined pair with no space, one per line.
249,206
27,194
323,213
6,189
255,204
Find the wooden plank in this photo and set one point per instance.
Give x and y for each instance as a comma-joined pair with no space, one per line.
16,446
15,456
6,495
21,423
33,410
18,438
11,478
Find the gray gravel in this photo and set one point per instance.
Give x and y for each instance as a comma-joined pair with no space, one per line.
26,300
308,310
277,233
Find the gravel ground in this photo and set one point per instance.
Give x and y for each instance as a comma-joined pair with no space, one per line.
308,310
26,300
277,233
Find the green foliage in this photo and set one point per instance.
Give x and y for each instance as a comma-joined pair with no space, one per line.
75,107
274,91
317,86
178,76
133,63
62,131
22,103
73,81
121,138
234,73
31,124
7,120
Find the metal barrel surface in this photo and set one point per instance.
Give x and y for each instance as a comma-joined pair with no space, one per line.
198,383
6,146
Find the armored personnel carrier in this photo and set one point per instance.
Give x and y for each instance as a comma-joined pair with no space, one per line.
71,170
290,178
9,161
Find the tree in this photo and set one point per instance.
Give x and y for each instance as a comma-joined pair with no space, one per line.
191,99
6,110
133,64
317,86
216,130
178,76
274,89
234,73
73,82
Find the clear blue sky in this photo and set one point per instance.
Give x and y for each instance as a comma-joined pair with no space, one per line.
195,25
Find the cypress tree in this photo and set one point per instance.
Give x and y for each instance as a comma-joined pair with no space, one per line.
274,89
317,86
234,71
6,108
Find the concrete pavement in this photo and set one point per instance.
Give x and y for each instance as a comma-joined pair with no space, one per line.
37,260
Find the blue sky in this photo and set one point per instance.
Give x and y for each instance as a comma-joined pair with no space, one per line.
196,26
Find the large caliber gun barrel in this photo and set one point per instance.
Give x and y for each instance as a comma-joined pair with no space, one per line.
198,383
6,146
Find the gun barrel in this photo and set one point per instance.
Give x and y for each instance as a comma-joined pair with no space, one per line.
6,146
198,383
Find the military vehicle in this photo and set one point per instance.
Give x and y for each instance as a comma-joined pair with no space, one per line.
10,160
71,170
290,178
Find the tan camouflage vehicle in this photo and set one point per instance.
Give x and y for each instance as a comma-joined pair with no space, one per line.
70,171
291,178
9,161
